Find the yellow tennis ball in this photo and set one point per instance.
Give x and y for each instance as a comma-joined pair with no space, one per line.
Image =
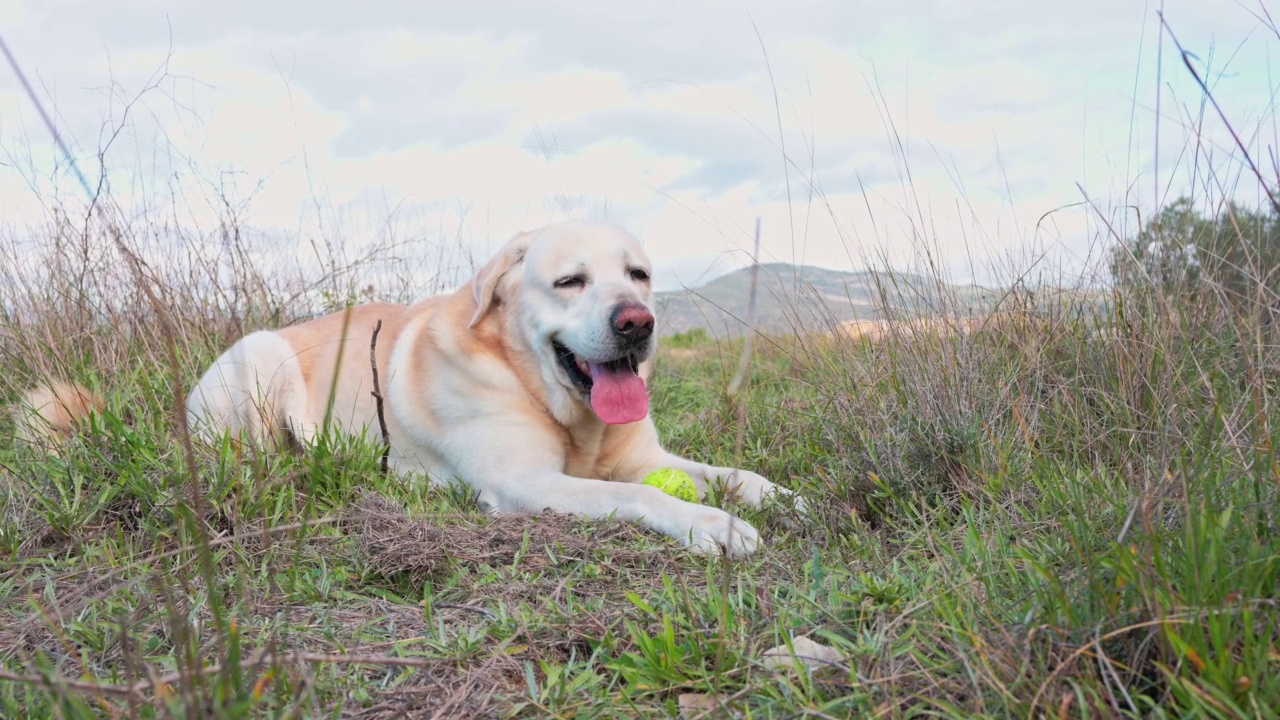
675,483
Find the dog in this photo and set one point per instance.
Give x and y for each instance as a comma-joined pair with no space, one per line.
528,384
49,415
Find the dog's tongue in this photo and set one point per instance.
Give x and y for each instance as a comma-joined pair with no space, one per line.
618,394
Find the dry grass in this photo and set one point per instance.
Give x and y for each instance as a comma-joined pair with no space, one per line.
1001,503
1062,506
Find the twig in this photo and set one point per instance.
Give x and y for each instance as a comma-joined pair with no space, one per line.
87,686
1204,87
1044,686
744,367
216,542
1109,673
259,660
735,386
48,121
722,702
377,397
468,608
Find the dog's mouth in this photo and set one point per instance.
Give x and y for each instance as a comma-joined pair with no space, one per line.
617,392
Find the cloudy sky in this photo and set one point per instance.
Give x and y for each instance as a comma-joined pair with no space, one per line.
852,128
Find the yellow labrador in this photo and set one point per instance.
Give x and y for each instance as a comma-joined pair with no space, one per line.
528,384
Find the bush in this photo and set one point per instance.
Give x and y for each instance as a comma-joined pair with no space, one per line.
1234,253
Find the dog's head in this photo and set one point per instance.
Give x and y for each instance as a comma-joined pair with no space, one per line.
580,296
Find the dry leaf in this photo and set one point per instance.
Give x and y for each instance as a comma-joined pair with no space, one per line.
692,705
808,652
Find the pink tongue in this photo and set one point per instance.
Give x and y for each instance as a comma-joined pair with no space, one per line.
618,394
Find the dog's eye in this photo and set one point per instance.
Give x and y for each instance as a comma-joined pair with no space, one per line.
570,281
639,275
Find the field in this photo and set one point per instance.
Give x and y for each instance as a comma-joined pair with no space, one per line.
1035,500
1056,512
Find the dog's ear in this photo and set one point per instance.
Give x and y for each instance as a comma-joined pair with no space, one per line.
484,286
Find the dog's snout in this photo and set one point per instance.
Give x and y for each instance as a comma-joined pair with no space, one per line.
632,322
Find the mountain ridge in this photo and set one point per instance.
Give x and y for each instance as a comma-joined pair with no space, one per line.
806,298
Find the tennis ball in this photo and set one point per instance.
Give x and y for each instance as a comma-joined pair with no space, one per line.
675,483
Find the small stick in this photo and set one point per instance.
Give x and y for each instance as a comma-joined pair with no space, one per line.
744,366
468,608
377,397
260,659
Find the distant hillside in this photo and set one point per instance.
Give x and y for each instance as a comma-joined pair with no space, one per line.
802,297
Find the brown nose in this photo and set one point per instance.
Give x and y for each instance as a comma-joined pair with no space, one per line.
632,322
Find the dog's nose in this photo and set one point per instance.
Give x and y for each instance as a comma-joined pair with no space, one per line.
632,322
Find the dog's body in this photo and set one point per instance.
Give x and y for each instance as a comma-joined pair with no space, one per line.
528,384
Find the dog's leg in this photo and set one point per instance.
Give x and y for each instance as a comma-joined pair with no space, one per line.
750,487
645,454
515,470
745,485
254,391
705,529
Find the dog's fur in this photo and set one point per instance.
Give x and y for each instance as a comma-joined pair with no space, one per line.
477,387
50,414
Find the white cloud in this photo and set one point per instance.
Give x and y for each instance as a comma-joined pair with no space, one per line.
952,123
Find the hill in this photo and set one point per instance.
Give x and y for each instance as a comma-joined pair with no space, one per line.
803,297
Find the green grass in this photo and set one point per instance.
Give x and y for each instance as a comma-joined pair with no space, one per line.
1040,520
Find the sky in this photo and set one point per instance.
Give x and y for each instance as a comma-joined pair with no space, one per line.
990,138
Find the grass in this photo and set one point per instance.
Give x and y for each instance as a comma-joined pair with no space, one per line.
1038,518
1067,509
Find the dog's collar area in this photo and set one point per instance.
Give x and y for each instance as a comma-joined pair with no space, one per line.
579,370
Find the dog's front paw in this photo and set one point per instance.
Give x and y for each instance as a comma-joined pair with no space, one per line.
790,496
754,489
717,531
